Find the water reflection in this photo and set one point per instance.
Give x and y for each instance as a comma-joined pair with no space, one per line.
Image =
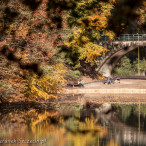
75,125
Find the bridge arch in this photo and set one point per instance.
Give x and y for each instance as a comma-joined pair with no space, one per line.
117,50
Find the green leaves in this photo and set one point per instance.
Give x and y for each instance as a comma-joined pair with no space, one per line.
124,67
141,64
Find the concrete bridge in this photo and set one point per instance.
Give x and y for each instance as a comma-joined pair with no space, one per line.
117,49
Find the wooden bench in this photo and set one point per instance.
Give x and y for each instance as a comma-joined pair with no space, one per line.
75,85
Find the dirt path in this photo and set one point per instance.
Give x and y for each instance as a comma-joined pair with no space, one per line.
126,86
124,83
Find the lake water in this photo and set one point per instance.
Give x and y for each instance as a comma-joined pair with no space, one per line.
73,124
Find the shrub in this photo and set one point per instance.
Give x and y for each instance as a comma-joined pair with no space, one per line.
124,67
46,86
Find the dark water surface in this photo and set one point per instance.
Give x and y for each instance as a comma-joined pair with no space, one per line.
73,124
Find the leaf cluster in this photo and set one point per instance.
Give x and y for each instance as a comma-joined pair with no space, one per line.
48,85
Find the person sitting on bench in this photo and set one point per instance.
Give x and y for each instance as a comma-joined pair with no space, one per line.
80,84
109,80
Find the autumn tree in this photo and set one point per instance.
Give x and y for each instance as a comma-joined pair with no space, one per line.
89,19
32,32
27,44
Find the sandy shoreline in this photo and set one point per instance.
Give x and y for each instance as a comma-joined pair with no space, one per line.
126,86
127,92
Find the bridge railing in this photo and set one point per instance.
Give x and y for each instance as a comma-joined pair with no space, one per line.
127,37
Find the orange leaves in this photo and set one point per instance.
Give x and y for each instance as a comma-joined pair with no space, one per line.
97,21
22,30
110,34
12,27
141,11
99,17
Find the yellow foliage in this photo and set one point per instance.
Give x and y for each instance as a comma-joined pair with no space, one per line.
46,86
112,1
38,119
42,117
89,125
101,77
79,38
112,143
95,20
111,34
85,39
99,19
90,52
